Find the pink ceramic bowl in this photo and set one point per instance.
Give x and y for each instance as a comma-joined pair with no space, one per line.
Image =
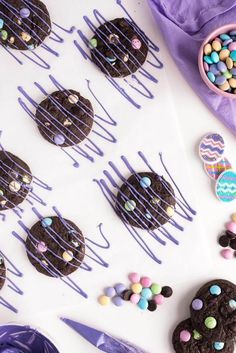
212,35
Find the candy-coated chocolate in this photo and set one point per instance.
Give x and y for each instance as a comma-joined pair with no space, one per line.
224,54
215,57
231,226
218,346
207,49
229,63
130,205
117,301
221,66
225,86
185,336
119,288
136,288
134,277
227,254
68,255
104,300
233,217
232,82
208,59
46,222
143,304
110,292
146,293
216,45
233,55
156,288
159,299
197,304
146,282
135,298
145,182
210,322
232,304
215,290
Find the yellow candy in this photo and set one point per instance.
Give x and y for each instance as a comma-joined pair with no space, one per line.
229,63
170,211
25,36
224,54
26,179
14,186
68,255
225,86
232,82
233,217
216,45
73,98
136,288
207,49
104,300
235,64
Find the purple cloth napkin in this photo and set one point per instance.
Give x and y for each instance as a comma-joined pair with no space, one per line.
184,25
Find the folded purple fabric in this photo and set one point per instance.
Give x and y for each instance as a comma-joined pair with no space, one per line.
184,25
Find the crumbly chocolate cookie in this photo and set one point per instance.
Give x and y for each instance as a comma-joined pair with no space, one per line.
15,179
55,247
186,339
119,48
65,118
24,24
213,310
2,272
145,200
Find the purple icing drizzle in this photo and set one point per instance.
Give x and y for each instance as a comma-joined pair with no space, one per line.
90,148
90,252
183,210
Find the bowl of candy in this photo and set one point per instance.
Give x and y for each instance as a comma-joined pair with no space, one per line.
217,61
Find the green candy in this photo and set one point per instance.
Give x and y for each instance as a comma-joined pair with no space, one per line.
227,74
196,335
130,205
156,288
210,322
93,43
4,35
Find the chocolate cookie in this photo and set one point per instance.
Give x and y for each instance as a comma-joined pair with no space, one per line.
55,247
65,118
186,339
145,200
213,310
15,179
118,48
24,24
2,272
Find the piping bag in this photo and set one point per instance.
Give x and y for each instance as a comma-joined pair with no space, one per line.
184,25
102,340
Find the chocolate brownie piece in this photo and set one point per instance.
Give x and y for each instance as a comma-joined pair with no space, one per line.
65,118
145,200
213,310
55,247
15,179
24,24
2,272
186,339
118,48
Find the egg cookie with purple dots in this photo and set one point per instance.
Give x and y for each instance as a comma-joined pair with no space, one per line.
145,200
15,180
65,118
55,247
213,310
2,272
186,339
119,48
24,24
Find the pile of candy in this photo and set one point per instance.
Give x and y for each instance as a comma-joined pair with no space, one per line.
228,239
141,292
218,167
219,61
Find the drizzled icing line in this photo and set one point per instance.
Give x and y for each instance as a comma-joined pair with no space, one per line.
11,270
183,211
91,254
35,182
101,123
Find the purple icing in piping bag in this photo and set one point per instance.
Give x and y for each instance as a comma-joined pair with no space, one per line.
102,340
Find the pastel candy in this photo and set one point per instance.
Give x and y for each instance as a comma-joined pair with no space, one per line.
215,170
221,66
214,68
216,45
220,80
211,76
233,55
211,148
226,186
215,57
224,36
1,23
224,54
207,49
208,59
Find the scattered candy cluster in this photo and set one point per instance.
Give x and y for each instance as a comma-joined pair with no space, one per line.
217,166
141,292
220,61
228,239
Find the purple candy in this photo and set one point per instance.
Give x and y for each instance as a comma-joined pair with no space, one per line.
232,33
24,13
220,80
214,69
197,304
120,287
110,292
206,66
227,41
117,301
59,139
221,66
233,71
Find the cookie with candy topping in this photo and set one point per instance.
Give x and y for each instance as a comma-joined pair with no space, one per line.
213,310
186,339
55,247
24,24
15,180
65,118
119,48
146,200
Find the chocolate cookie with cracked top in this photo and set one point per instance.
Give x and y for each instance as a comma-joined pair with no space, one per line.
2,272
24,24
186,339
15,180
55,247
145,200
65,118
213,310
118,47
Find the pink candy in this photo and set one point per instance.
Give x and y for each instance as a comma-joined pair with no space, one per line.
159,299
227,254
135,298
134,277
185,336
146,282
232,46
231,226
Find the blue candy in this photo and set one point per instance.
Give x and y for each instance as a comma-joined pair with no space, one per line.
224,36
1,23
211,76
233,55
232,304
221,66
233,71
146,293
215,57
208,59
145,182
46,222
218,345
215,290
143,304
220,80
214,69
